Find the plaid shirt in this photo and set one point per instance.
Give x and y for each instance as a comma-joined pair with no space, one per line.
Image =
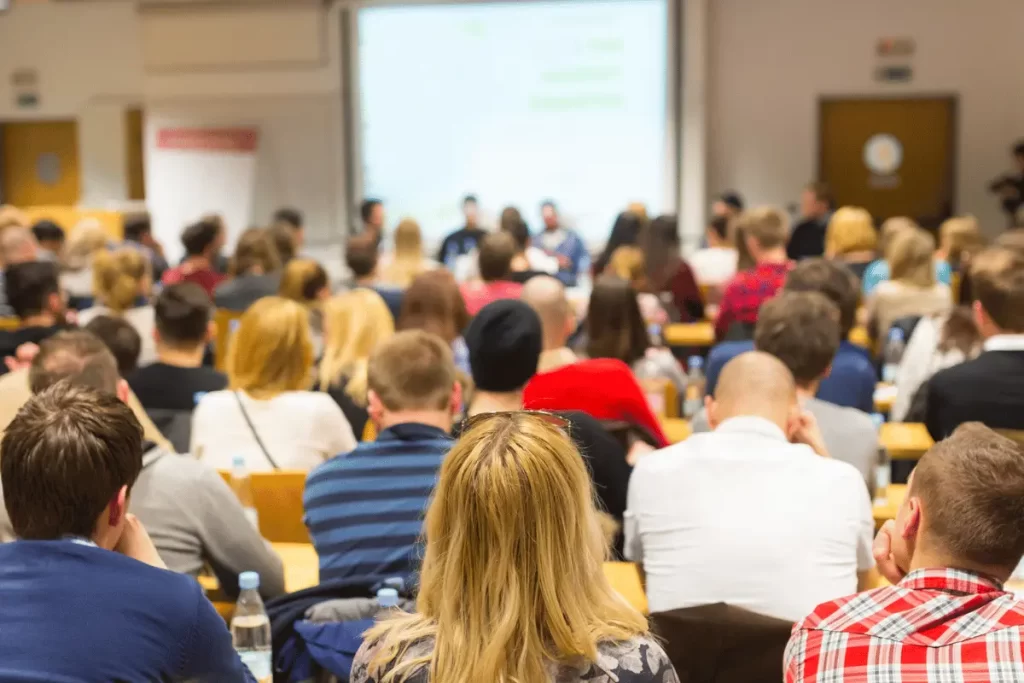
936,626
745,293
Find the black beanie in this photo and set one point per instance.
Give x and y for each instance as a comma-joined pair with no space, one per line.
504,342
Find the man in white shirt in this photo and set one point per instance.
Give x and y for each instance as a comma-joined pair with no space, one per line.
755,513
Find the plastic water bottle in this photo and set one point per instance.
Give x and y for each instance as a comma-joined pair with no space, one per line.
892,355
387,600
883,466
241,484
695,383
654,332
250,629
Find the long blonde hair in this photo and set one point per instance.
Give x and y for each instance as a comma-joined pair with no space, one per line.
355,324
960,237
303,280
850,230
120,277
409,261
271,351
911,257
512,578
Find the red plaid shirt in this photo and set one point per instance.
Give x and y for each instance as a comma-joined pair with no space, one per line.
745,293
936,626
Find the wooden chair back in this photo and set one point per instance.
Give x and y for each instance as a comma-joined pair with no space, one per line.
662,395
225,321
278,499
9,324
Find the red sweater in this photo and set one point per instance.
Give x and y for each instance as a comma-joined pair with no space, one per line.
603,388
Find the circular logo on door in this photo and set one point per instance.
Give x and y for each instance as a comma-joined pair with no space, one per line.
883,154
48,168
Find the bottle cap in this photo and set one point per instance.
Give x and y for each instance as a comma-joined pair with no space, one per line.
387,597
238,461
896,333
878,419
695,362
249,580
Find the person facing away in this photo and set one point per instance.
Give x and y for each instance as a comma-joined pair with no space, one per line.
801,329
50,238
563,244
293,220
203,242
34,294
546,296
715,264
121,282
511,586
121,339
702,513
668,276
851,239
254,272
878,271
851,382
371,212
495,258
268,415
170,388
521,267
808,237
465,239
17,245
433,303
84,573
946,616
362,258
990,388
625,233
764,232
138,234
401,267
364,508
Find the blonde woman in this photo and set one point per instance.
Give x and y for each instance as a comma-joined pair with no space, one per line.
304,281
959,237
86,240
912,289
511,586
851,239
122,286
268,415
878,271
402,267
355,324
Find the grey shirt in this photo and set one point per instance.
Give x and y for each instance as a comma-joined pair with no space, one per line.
241,292
849,434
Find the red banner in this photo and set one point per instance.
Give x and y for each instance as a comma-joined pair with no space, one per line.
212,139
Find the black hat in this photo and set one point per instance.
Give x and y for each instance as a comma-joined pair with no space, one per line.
504,341
732,199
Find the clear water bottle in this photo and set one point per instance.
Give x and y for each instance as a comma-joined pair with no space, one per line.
883,466
387,600
250,629
695,383
892,355
654,332
241,484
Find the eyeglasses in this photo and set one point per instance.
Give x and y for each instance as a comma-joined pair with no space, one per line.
556,421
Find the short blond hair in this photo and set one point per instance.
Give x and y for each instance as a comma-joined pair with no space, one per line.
414,370
997,279
911,258
766,225
119,277
959,237
892,227
85,239
271,352
850,229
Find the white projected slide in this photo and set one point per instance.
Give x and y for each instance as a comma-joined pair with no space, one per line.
515,102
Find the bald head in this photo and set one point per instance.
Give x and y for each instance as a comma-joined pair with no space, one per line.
17,245
546,295
754,384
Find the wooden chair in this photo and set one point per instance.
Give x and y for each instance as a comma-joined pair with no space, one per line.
369,431
278,499
954,284
662,395
9,324
225,322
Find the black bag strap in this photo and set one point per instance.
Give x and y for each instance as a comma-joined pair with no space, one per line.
252,428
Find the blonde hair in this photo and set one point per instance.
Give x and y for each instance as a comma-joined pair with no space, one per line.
408,261
271,351
355,324
766,225
627,263
87,238
911,258
892,227
960,237
302,280
119,277
512,578
849,230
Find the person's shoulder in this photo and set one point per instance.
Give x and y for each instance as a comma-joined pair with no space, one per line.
948,378
215,401
641,659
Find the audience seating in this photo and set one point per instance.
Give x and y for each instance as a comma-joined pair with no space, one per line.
905,440
223,321
676,429
278,500
68,217
9,324
894,497
663,396
700,334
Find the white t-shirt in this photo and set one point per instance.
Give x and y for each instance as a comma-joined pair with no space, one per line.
713,266
300,429
142,318
742,516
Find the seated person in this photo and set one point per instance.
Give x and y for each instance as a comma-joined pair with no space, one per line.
462,240
292,219
50,238
434,304
546,296
364,508
33,292
193,517
946,617
496,252
802,330
764,232
123,340
121,282
521,269
170,388
255,272
878,271
361,257
203,242
808,237
400,267
85,573
851,239
760,491
667,277
851,382
17,245
990,388
138,234
715,264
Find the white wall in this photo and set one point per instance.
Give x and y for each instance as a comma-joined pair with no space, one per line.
772,59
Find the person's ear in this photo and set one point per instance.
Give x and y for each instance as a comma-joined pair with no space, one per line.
118,508
124,392
711,410
828,371
211,332
455,403
55,302
374,406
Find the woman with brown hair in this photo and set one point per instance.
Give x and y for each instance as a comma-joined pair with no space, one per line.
668,275
255,272
407,261
433,303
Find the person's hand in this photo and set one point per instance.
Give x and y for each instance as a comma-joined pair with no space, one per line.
22,357
808,432
564,262
882,551
136,543
638,450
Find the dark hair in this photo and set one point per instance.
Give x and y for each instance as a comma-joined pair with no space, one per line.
254,248
136,226
64,458
615,327
625,232
48,231
29,286
510,217
198,237
469,199
78,356
289,216
361,255
720,226
283,239
832,279
433,303
549,203
520,233
959,332
732,199
802,330
661,251
497,250
1018,149
822,192
182,313
121,338
366,208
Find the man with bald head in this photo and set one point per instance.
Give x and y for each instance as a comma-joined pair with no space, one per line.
546,295
754,513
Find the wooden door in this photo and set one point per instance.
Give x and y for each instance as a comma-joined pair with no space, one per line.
894,157
136,174
40,163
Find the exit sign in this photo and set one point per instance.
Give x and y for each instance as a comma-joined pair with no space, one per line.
895,47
